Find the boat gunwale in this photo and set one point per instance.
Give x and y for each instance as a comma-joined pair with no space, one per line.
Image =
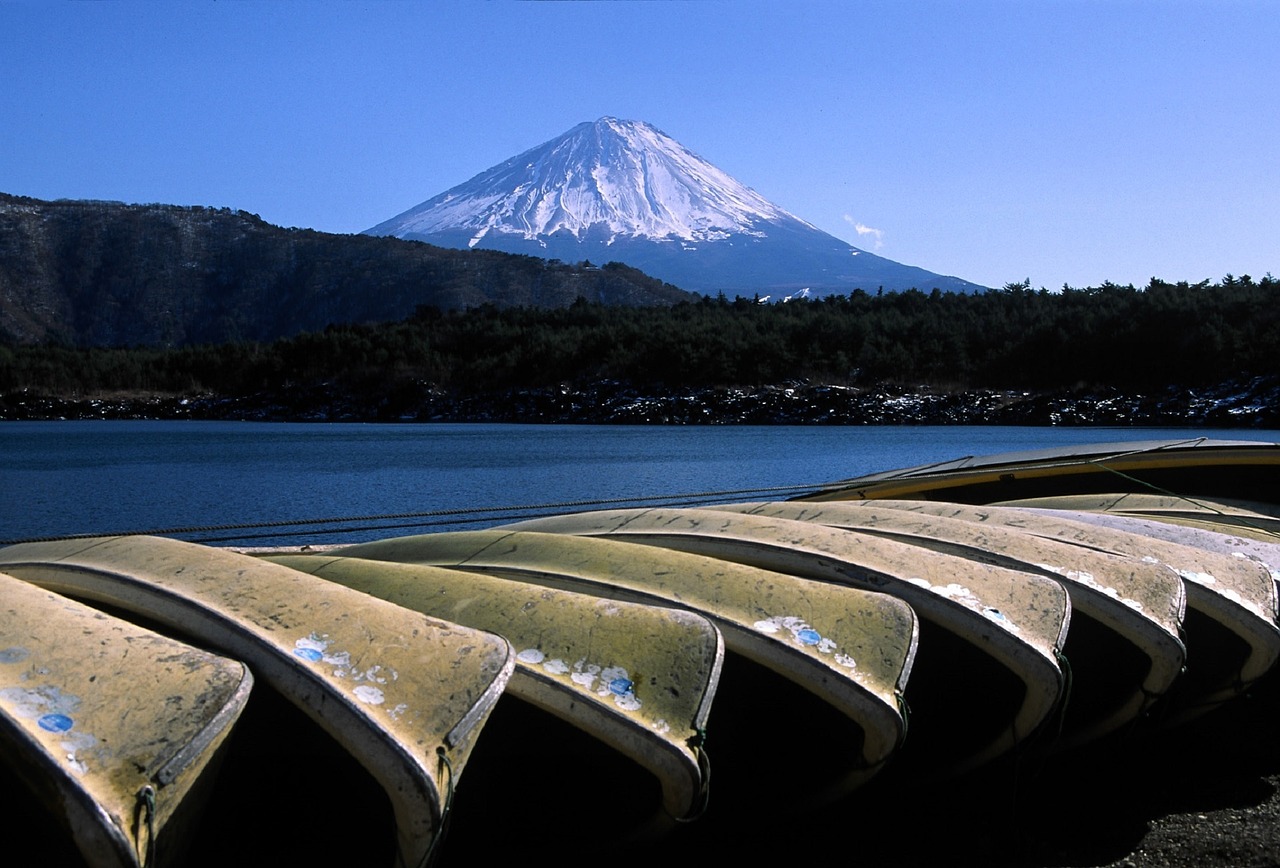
884,707
1160,641
1037,668
344,720
1122,457
680,770
99,833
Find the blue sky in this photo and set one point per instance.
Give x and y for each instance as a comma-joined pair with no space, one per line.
1063,141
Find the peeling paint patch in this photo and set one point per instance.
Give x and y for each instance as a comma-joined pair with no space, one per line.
311,648
951,591
967,598
33,702
1207,579
374,673
315,648
13,654
55,722
618,685
804,635
956,591
661,726
531,656
371,695
584,674
1000,618
53,711
628,702
1085,578
341,660
611,681
534,656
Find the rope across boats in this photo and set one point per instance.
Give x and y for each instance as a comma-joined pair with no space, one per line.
426,518
836,608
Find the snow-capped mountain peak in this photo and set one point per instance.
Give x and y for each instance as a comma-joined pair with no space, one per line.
624,191
606,178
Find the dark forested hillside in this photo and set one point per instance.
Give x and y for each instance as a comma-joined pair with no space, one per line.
1105,337
85,273
108,299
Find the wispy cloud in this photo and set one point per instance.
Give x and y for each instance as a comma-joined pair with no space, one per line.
863,229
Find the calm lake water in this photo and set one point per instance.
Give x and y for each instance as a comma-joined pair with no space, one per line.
62,478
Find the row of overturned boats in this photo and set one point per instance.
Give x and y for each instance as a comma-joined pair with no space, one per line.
565,681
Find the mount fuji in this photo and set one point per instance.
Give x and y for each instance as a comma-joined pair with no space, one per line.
615,190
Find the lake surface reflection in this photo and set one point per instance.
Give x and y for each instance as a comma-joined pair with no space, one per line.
61,478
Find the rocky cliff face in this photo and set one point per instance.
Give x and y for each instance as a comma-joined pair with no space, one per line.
108,274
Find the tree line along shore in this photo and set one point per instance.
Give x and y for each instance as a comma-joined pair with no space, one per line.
1107,340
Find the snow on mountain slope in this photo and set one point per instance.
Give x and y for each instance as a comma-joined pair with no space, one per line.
626,177
626,191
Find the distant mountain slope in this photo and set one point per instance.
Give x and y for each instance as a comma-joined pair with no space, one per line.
625,191
108,274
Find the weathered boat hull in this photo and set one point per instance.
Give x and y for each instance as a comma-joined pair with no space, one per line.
112,726
579,658
862,617
1221,468
1124,642
1219,541
1013,623
405,693
1232,637
851,649
1260,521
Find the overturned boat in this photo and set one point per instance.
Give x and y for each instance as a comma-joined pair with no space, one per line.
639,678
867,638
990,634
842,649
405,694
114,728
1124,643
1202,466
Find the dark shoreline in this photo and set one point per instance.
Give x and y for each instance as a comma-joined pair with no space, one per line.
1252,403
